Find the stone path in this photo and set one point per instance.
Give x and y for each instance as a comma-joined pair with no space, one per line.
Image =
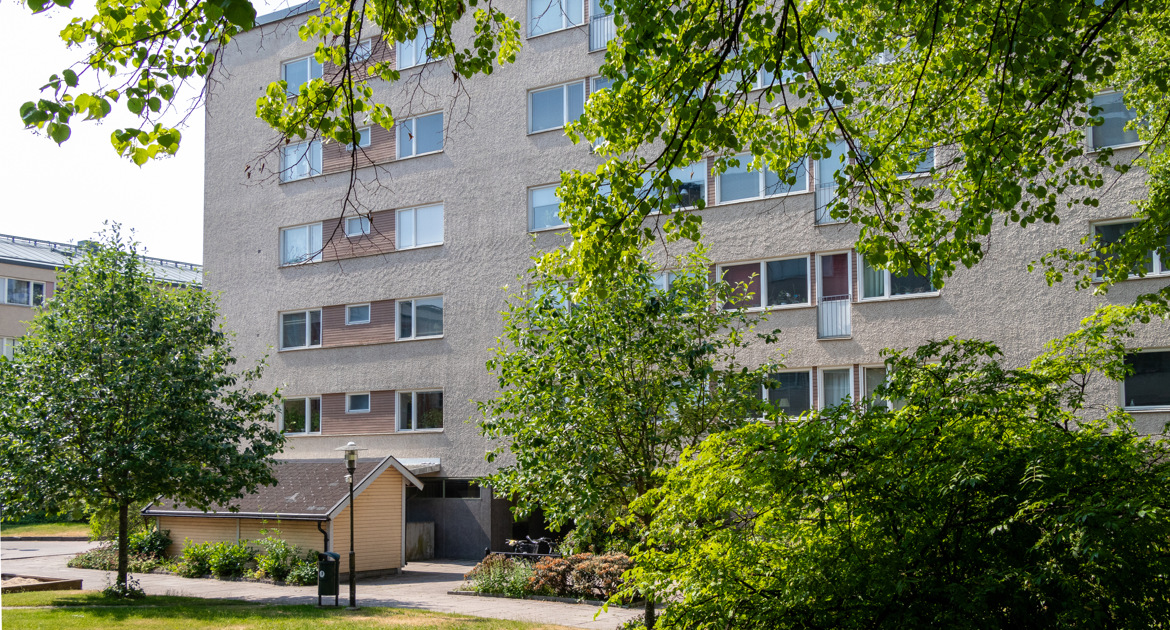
424,585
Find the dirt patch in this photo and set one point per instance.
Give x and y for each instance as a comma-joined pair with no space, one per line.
19,581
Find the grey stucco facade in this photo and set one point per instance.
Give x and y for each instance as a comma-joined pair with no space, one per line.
482,175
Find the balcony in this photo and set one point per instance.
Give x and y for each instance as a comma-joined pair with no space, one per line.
601,31
834,317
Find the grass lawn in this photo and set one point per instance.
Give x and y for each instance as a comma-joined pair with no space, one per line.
88,609
45,529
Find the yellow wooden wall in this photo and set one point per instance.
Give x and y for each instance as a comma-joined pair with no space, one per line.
377,528
198,530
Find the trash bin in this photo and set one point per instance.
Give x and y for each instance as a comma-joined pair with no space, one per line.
327,567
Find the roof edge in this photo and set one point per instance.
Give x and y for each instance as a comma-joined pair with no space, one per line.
369,479
150,511
287,12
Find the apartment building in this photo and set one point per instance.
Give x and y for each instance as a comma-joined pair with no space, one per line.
377,327
28,277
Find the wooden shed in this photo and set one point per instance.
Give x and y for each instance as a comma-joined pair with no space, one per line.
310,506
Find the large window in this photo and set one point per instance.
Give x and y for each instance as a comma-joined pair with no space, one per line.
691,187
420,318
357,403
881,284
420,227
544,208
299,72
790,392
546,16
555,107
785,282
416,51
301,415
836,386
1109,234
300,160
300,244
872,378
23,292
1148,384
420,411
737,182
827,168
7,347
420,135
300,329
1115,115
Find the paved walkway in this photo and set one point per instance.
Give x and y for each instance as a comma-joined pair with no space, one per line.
424,585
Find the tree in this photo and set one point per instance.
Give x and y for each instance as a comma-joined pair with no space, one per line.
983,497
1000,93
122,391
597,398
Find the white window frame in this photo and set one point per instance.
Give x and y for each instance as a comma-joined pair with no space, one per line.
1158,267
306,151
811,403
821,383
763,276
365,137
414,237
8,347
363,50
888,277
414,318
364,226
313,254
565,24
1141,408
762,180
861,370
32,292
308,328
532,211
564,87
427,33
349,402
1093,148
308,410
403,136
350,321
312,64
414,410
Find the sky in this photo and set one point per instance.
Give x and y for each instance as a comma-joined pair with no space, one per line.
65,193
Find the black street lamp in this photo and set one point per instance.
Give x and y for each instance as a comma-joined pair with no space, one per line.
351,457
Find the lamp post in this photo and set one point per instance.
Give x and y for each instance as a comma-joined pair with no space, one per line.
351,457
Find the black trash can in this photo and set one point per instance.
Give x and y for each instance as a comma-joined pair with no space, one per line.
327,567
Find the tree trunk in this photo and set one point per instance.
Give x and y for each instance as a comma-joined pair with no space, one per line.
123,542
649,614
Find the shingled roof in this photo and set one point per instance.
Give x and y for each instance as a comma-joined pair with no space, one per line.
306,489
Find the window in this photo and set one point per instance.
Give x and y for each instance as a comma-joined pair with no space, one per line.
601,83
1115,115
300,160
790,392
420,411
7,347
827,169
300,244
299,72
692,184
363,50
1148,384
546,16
300,329
836,387
420,318
1107,235
357,226
544,208
420,135
363,140
23,292
872,378
786,282
357,403
357,314
445,489
924,165
416,51
301,415
662,280
880,284
737,182
555,107
419,227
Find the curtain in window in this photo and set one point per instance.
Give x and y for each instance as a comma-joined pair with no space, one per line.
836,384
873,281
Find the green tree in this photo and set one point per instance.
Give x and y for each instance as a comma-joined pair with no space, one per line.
123,391
597,398
986,497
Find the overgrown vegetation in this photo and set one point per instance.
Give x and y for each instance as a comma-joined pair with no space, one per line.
580,576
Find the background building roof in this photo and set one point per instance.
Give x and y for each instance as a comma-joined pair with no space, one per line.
29,252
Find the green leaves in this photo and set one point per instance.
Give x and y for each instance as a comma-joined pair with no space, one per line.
238,12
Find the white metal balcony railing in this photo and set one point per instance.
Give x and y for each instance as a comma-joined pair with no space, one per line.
826,193
834,318
601,31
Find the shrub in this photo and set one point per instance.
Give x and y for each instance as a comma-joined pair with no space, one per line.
196,560
105,558
598,576
130,590
277,556
502,575
550,576
303,572
230,560
152,543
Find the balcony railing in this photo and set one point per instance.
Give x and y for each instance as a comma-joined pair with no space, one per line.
601,31
834,317
826,193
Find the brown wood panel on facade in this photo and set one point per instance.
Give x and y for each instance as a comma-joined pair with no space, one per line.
711,198
380,240
336,333
336,157
380,418
378,522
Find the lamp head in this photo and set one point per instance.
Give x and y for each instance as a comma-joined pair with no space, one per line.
351,454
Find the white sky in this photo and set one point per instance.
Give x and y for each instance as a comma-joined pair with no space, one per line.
65,193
